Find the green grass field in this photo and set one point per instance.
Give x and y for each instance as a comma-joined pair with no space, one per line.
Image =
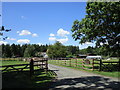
79,65
10,62
15,79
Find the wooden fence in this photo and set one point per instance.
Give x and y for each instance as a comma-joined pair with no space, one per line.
40,63
75,62
89,64
109,66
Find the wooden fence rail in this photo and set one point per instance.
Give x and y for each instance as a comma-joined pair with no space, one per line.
89,64
109,66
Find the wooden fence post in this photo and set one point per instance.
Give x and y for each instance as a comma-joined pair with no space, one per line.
83,64
42,63
93,64
100,67
76,62
65,62
31,67
119,65
46,65
70,62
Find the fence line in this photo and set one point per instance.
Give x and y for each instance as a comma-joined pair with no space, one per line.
106,65
41,63
89,64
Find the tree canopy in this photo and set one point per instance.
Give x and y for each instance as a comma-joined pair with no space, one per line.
31,50
57,50
100,25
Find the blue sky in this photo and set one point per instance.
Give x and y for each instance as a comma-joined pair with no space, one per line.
42,22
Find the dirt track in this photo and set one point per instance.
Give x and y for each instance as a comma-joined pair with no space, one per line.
70,79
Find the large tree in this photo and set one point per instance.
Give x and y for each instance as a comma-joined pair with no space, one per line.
100,25
29,51
72,50
13,49
7,51
57,50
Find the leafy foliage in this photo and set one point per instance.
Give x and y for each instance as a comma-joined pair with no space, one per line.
100,25
31,50
56,50
15,50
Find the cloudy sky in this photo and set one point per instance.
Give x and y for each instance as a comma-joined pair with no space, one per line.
42,22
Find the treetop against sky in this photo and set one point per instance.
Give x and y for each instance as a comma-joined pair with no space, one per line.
42,22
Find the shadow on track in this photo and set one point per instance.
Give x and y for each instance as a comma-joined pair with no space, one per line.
85,83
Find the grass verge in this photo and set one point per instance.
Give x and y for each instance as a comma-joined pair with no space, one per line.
110,74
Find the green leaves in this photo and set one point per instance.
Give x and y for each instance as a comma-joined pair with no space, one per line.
56,50
29,51
101,24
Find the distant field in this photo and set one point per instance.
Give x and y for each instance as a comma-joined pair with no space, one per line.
111,60
10,58
10,62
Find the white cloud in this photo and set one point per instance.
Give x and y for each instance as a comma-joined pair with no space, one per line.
18,31
23,17
101,44
62,32
34,35
39,44
24,32
52,38
63,40
52,35
88,43
23,41
11,38
104,43
3,42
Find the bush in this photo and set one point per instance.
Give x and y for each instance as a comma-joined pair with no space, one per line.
70,56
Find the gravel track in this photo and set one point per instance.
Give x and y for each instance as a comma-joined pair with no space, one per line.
70,79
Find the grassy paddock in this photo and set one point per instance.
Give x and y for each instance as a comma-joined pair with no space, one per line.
73,66
73,63
16,79
7,59
12,62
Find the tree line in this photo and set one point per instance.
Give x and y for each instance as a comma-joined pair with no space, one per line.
25,50
35,50
98,51
53,51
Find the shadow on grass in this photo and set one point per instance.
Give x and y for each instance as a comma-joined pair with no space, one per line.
41,80
15,79
86,83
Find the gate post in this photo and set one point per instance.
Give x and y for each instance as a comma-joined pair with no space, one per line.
31,67
100,68
93,64
46,65
70,62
